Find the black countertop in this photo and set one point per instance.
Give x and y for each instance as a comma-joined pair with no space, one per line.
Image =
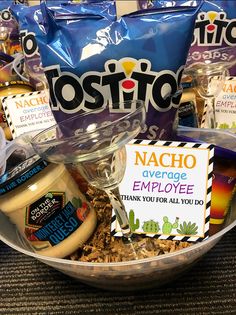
27,286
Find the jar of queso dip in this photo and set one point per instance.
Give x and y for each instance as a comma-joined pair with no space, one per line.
45,204
15,87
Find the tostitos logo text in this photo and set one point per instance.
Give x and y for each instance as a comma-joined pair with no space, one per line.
214,29
123,80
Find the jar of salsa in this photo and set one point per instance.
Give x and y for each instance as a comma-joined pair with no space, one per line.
223,190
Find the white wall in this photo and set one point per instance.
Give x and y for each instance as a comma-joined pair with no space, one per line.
33,2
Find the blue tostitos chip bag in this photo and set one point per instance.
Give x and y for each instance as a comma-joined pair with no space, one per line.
9,35
215,30
5,14
26,17
33,65
92,59
6,19
212,61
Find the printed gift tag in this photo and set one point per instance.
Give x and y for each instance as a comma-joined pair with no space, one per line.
166,189
28,112
221,109
225,105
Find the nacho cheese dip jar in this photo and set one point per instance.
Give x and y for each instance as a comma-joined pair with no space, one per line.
45,204
15,87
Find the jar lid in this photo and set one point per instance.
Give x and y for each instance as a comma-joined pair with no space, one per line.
21,173
15,83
